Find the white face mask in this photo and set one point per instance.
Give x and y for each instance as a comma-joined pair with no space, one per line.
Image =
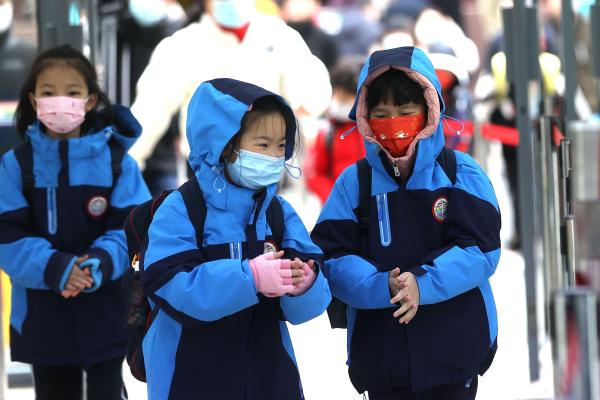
233,13
6,16
339,111
148,12
254,170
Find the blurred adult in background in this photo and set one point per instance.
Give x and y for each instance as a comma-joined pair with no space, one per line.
144,23
454,80
354,23
231,40
434,28
16,56
331,154
300,15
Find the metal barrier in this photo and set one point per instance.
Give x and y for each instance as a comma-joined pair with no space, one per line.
575,344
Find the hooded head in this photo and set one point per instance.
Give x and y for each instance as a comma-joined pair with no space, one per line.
417,67
216,114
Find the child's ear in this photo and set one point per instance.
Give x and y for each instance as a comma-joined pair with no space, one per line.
91,102
32,101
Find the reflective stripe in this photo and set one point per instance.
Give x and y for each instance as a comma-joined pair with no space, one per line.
235,250
51,206
383,216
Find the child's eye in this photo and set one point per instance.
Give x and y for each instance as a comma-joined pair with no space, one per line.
74,93
263,145
46,93
282,145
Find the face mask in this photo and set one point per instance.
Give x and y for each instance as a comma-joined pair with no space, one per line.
255,171
397,133
233,13
339,111
148,12
61,114
6,17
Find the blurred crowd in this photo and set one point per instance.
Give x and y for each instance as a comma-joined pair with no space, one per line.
310,52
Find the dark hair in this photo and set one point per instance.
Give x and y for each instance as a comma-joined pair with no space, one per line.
394,87
344,73
63,55
264,106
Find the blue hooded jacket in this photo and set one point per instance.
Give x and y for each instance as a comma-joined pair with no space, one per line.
215,336
446,235
75,208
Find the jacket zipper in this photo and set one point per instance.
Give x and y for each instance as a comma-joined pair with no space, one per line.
383,216
51,206
396,169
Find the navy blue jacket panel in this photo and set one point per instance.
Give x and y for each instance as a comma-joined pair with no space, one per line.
446,234
214,334
74,208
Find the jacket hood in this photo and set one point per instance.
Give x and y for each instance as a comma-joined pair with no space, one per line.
117,122
417,67
215,116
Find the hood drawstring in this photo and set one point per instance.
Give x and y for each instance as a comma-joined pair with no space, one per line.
445,119
346,133
217,170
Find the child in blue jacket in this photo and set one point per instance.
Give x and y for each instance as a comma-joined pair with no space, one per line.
421,315
65,194
224,295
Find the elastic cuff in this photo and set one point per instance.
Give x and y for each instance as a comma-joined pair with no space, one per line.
94,265
106,263
58,269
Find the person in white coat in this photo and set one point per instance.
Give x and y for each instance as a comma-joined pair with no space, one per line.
231,40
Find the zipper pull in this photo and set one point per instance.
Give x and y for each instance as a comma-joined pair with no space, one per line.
396,169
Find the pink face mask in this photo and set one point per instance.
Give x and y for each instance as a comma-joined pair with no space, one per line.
61,114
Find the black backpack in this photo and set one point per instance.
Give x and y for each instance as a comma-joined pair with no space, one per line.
337,309
139,313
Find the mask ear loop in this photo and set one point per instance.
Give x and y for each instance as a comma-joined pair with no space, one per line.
289,168
346,133
445,119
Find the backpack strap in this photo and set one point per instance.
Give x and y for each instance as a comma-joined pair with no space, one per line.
364,199
117,152
196,206
447,160
275,220
24,156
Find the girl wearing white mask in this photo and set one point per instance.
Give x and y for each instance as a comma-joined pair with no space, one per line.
65,194
223,294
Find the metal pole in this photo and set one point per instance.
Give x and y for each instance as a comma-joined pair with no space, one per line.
568,61
521,74
575,344
595,51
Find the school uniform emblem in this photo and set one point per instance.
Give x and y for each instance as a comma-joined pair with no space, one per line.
440,208
270,247
97,206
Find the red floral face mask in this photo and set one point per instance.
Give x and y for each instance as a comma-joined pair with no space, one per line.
395,134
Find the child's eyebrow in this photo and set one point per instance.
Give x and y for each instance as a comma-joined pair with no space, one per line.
268,138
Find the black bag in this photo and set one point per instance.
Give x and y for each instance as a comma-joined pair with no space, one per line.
337,309
139,313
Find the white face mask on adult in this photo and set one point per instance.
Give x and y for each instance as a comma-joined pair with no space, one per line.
233,13
6,17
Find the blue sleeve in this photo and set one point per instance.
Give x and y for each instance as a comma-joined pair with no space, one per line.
353,279
177,277
297,243
29,260
111,247
474,232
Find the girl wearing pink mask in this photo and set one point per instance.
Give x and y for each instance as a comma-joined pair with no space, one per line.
65,193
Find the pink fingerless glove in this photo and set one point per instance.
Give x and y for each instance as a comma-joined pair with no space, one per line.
309,278
272,276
